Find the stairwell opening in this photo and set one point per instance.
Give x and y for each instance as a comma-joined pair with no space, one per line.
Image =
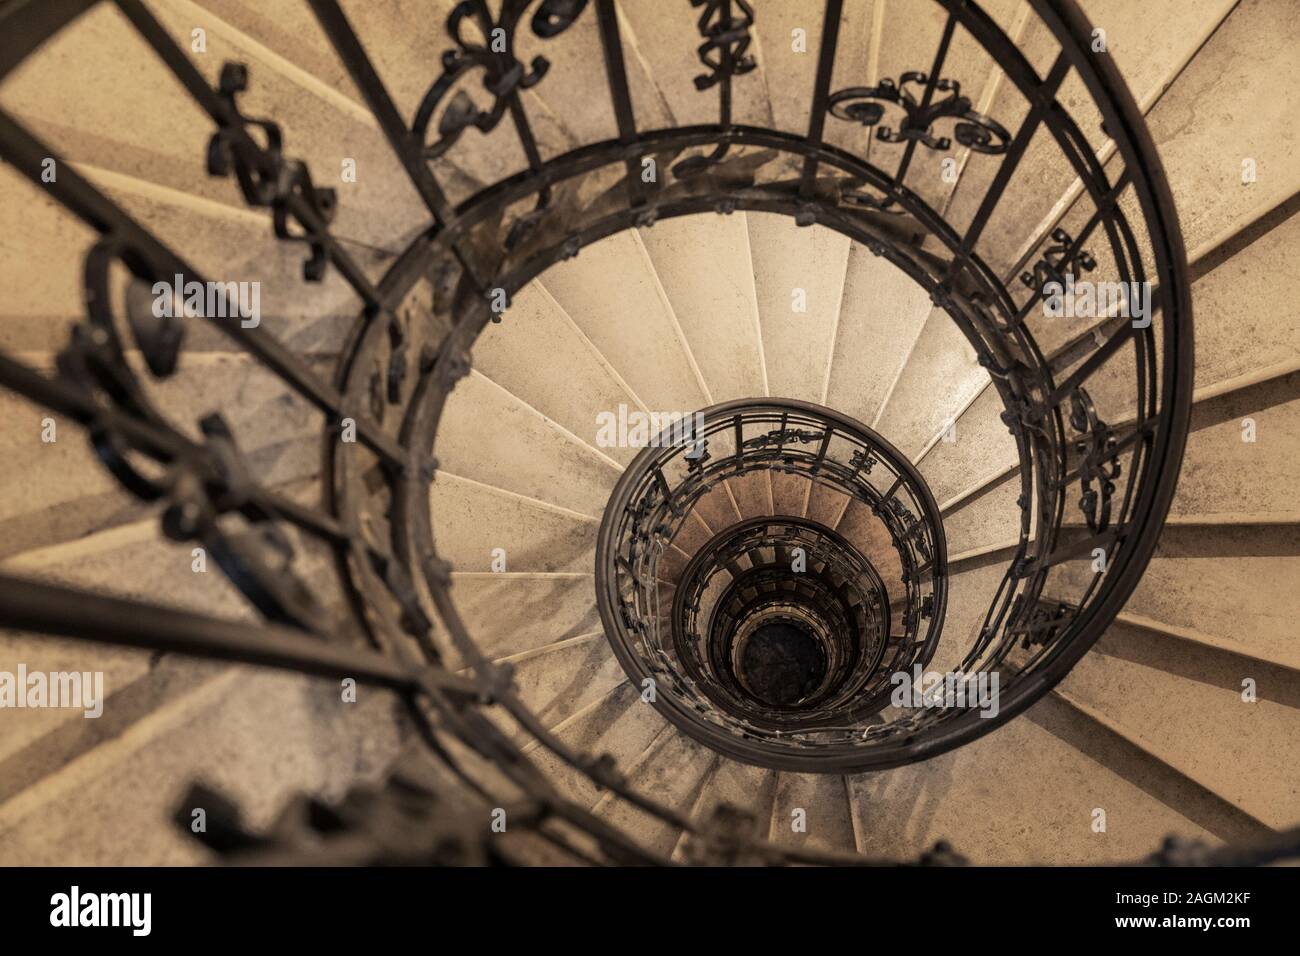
772,638
781,663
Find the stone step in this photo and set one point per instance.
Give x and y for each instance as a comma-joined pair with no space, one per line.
480,528
1235,582
705,266
613,293
1188,709
811,811
745,788
940,379
671,772
620,724
882,314
501,612
575,387
1033,793
799,275
556,681
488,435
113,805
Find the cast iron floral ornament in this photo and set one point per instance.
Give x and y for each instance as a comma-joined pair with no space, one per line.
866,105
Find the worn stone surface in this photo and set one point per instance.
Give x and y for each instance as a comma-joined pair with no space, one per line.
672,318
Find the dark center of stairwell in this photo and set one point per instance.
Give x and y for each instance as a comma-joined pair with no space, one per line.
782,664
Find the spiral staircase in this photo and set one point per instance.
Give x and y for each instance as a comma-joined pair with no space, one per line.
828,227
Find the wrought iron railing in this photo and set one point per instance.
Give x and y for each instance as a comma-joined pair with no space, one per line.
1105,422
837,595
654,498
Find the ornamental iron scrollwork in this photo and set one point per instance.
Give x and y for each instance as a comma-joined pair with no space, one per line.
1098,461
1057,261
1040,622
698,456
504,75
866,105
911,524
724,53
727,36
927,606
784,436
862,461
268,179
199,483
411,819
